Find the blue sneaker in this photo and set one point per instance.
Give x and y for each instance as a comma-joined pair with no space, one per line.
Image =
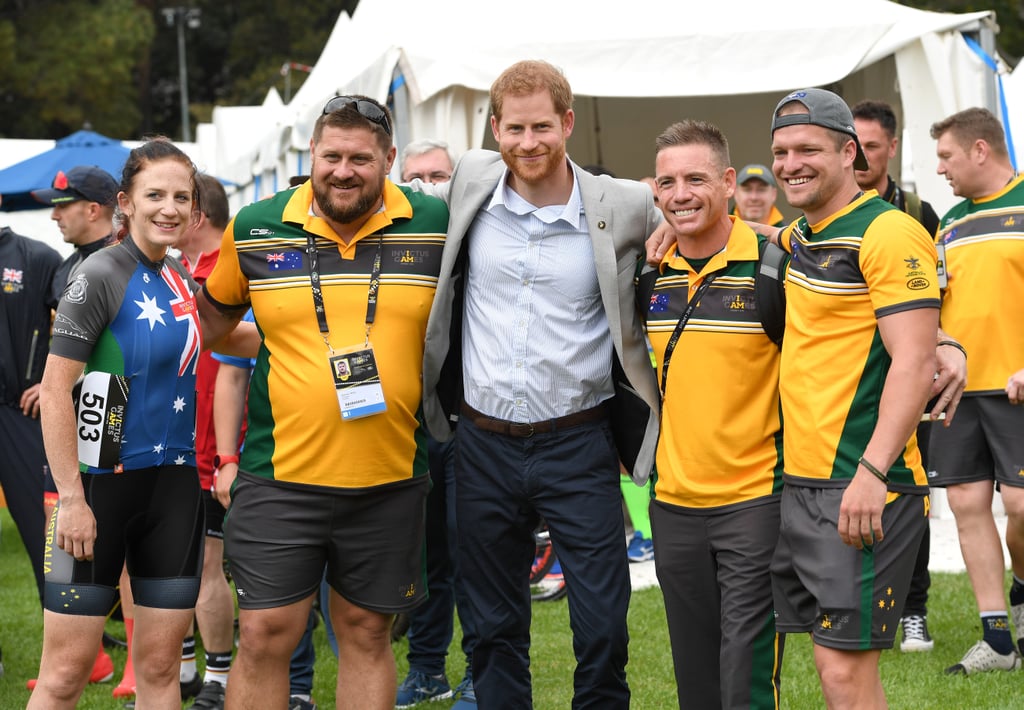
640,549
419,687
467,697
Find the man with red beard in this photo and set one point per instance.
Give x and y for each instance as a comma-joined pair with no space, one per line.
334,469
536,344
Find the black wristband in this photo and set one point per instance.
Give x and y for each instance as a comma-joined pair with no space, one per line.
953,344
871,467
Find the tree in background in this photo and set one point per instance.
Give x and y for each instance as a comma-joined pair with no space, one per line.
113,64
63,64
1009,16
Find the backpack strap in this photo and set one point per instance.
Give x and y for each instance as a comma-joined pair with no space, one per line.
912,205
645,287
770,291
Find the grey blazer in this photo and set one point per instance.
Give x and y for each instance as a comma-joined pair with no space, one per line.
620,215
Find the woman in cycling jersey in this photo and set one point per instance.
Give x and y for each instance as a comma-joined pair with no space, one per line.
123,457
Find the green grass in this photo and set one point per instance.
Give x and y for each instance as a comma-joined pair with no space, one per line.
911,680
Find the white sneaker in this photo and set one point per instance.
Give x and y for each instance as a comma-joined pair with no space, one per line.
1017,614
981,657
915,634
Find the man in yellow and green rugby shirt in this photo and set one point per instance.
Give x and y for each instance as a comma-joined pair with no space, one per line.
856,371
340,273
718,475
983,240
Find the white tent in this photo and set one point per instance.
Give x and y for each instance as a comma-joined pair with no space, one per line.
637,66
1013,87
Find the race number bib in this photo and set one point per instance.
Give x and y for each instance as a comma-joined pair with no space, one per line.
101,408
357,382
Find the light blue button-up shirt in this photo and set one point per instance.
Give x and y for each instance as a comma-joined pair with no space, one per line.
536,343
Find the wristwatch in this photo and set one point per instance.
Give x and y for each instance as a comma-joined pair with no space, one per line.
219,460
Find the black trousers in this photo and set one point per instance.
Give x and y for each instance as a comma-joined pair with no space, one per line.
22,472
503,485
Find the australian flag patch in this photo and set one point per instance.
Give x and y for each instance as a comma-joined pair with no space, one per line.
284,260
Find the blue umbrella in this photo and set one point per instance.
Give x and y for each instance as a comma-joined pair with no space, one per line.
80,148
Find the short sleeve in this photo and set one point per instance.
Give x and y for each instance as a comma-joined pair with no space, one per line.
898,261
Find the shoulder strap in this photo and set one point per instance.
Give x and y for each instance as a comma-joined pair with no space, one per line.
683,320
913,204
770,291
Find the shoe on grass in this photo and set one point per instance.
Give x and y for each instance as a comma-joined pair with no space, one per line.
418,687
209,697
981,657
915,634
297,703
640,548
465,694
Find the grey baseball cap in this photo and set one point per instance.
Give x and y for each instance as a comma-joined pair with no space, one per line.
824,109
755,171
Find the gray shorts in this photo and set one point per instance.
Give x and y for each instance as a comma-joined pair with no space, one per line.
278,538
848,599
984,442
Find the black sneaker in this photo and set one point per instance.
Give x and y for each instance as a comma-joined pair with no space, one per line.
191,688
915,634
295,703
210,697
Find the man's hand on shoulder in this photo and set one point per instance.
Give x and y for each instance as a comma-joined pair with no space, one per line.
658,244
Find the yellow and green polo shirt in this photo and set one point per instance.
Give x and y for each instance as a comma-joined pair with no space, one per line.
721,440
983,303
295,430
864,262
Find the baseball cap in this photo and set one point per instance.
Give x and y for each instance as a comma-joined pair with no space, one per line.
755,171
824,109
83,182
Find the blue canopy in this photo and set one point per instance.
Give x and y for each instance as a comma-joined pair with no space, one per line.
80,148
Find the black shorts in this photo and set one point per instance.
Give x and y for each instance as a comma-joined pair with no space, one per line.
984,442
848,599
214,515
150,519
279,536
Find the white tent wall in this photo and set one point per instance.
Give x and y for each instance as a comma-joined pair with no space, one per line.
728,62
1013,87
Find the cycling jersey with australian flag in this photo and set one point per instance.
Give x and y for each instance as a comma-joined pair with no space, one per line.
125,315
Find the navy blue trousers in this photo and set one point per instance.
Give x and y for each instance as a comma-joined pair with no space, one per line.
505,484
430,624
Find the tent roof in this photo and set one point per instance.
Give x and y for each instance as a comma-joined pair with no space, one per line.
80,148
640,47
610,47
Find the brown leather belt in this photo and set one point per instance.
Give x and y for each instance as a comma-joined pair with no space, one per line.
525,430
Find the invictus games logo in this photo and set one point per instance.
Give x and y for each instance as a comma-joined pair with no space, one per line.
913,263
738,302
409,256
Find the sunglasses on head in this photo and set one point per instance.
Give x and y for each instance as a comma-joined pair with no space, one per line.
367,109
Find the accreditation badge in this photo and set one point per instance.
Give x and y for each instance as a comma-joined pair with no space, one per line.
357,382
101,407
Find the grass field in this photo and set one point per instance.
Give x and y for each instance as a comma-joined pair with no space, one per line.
911,680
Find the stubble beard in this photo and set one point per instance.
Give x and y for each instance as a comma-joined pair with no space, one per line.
537,173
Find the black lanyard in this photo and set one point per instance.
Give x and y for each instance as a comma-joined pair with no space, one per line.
318,295
690,307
